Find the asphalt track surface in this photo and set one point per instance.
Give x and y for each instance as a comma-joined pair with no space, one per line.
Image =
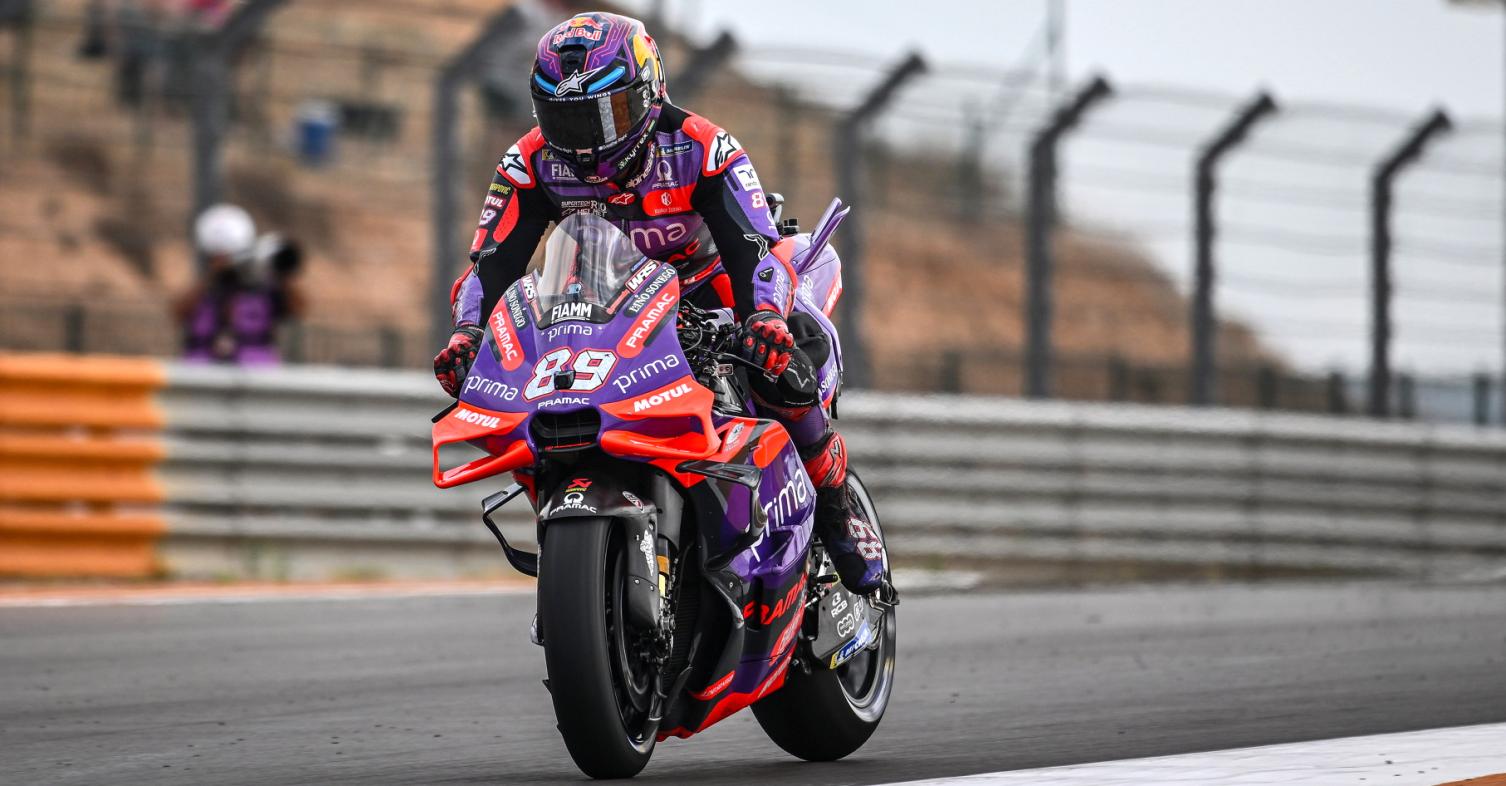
446,690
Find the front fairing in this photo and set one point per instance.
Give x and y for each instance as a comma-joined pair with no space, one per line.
620,363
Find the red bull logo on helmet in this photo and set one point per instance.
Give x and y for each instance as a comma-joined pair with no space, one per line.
581,28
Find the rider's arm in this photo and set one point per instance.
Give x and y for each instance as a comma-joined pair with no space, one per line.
512,222
731,201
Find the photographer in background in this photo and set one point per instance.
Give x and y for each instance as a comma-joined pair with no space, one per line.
249,287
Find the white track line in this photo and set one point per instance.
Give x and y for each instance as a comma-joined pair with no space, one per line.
274,594
1417,758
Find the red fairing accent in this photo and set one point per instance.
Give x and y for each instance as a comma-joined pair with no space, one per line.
737,701
660,308
831,299
770,443
526,480
465,423
715,687
683,398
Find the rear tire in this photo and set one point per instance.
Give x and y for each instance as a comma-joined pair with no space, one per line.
829,713
581,642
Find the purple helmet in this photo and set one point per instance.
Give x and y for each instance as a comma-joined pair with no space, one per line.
597,86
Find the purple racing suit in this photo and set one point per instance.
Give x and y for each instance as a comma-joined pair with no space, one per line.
698,205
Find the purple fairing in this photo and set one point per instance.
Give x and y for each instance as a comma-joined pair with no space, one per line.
771,567
820,288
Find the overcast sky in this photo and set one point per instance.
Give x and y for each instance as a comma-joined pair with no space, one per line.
1399,53
1403,56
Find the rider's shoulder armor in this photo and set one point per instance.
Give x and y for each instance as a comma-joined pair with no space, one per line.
718,148
518,164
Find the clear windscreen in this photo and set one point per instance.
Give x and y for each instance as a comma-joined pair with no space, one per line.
586,260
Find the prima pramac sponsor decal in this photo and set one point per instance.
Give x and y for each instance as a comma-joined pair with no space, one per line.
570,329
489,387
505,341
646,371
654,316
796,493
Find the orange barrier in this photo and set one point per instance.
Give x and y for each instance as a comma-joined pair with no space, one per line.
79,439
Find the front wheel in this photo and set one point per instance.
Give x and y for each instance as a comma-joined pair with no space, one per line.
601,685
827,714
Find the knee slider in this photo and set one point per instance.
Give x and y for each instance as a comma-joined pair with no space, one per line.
827,462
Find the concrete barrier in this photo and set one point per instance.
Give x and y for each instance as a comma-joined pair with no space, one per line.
319,473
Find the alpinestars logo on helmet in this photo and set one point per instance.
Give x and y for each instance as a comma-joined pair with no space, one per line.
576,82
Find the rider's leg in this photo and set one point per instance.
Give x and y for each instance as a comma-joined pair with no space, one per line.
855,549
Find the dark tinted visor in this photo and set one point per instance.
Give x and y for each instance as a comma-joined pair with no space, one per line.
591,123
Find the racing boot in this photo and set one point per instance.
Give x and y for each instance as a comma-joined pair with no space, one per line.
854,547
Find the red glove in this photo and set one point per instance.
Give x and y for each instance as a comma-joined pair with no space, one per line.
452,362
767,342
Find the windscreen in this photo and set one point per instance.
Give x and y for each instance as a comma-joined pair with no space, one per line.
586,260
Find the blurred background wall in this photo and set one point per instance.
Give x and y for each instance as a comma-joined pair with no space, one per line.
326,120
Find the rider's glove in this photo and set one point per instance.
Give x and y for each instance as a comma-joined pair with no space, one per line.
767,342
452,362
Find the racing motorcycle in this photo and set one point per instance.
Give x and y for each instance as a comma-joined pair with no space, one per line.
679,578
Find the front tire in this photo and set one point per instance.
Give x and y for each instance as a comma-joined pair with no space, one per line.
597,697
829,713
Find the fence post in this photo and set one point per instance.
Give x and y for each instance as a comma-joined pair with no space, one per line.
210,97
1406,391
970,166
1040,221
1482,399
22,16
847,150
74,319
1338,398
1204,325
701,65
1381,183
1267,387
443,145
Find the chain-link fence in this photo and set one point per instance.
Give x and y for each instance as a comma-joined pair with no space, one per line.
1011,235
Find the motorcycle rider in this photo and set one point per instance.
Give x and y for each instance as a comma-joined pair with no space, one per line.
608,141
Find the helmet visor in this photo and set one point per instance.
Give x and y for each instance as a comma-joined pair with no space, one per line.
592,123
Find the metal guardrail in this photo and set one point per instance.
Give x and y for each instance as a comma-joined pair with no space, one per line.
293,471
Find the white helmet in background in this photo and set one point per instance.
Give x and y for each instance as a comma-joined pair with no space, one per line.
224,230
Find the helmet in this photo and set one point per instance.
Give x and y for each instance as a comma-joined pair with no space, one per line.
598,87
224,230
